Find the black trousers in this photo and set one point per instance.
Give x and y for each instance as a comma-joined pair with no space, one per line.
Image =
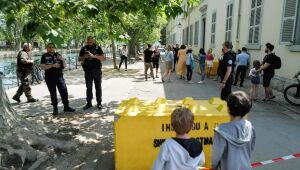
123,58
59,82
175,61
189,72
225,92
94,75
241,70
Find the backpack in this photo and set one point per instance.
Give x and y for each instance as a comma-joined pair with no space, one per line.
276,62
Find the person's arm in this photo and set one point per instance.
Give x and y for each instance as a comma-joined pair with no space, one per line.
24,59
265,66
99,55
81,55
162,158
218,148
63,62
202,159
45,66
253,140
228,72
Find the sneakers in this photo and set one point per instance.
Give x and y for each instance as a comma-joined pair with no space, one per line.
17,99
55,111
190,82
201,82
87,106
156,76
32,100
162,80
68,109
99,106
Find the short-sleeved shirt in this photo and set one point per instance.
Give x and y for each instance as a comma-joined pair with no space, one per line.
148,55
269,59
242,59
21,58
209,57
91,64
49,59
226,61
202,58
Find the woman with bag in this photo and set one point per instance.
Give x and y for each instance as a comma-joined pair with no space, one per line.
168,59
190,64
123,53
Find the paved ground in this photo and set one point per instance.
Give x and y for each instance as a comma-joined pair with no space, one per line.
277,123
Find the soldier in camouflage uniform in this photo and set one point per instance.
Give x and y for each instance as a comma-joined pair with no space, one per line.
24,69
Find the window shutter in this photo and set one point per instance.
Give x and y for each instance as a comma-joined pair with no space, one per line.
289,21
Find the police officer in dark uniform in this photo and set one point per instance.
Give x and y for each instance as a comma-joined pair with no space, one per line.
53,64
226,67
24,73
91,57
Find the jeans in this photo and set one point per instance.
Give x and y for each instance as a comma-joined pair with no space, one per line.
202,69
123,58
189,72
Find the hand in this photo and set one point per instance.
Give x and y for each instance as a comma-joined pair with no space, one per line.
60,57
222,85
102,58
56,65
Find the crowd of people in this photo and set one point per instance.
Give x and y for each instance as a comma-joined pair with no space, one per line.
232,67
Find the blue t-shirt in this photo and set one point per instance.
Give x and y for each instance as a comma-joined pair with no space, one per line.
202,58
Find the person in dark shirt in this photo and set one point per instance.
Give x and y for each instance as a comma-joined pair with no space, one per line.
91,57
226,67
53,63
148,62
155,61
176,49
268,71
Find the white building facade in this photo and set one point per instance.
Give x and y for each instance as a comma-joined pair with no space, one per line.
246,23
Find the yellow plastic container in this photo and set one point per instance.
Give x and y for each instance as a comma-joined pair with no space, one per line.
214,70
144,125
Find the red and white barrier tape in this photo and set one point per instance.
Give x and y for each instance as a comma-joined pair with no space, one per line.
258,164
284,158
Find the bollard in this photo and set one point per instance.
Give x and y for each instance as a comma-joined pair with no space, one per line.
143,126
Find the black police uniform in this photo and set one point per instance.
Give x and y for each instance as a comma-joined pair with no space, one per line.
92,68
54,78
226,61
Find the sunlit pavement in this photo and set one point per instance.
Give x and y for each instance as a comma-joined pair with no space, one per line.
277,124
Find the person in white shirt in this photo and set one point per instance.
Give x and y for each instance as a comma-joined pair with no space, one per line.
124,56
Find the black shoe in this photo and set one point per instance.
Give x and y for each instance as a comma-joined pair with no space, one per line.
87,106
99,106
17,99
241,85
69,109
235,84
32,100
55,111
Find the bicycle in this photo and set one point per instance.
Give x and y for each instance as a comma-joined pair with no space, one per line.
292,93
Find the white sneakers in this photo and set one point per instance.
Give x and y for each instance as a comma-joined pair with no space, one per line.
201,82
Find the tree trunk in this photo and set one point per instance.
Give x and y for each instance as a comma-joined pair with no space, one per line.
133,49
113,46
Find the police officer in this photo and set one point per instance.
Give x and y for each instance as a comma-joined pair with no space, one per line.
91,57
53,63
24,73
225,66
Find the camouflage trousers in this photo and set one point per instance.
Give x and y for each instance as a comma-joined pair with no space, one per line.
25,78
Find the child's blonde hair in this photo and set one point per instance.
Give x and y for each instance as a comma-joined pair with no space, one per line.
182,120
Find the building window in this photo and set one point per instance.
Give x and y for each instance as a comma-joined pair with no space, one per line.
191,35
255,19
196,39
290,31
229,22
213,28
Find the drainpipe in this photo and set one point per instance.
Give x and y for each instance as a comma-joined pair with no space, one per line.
237,43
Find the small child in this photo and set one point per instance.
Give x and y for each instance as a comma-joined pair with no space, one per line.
255,80
234,141
180,152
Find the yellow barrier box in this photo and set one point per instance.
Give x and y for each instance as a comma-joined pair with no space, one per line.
214,70
144,125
